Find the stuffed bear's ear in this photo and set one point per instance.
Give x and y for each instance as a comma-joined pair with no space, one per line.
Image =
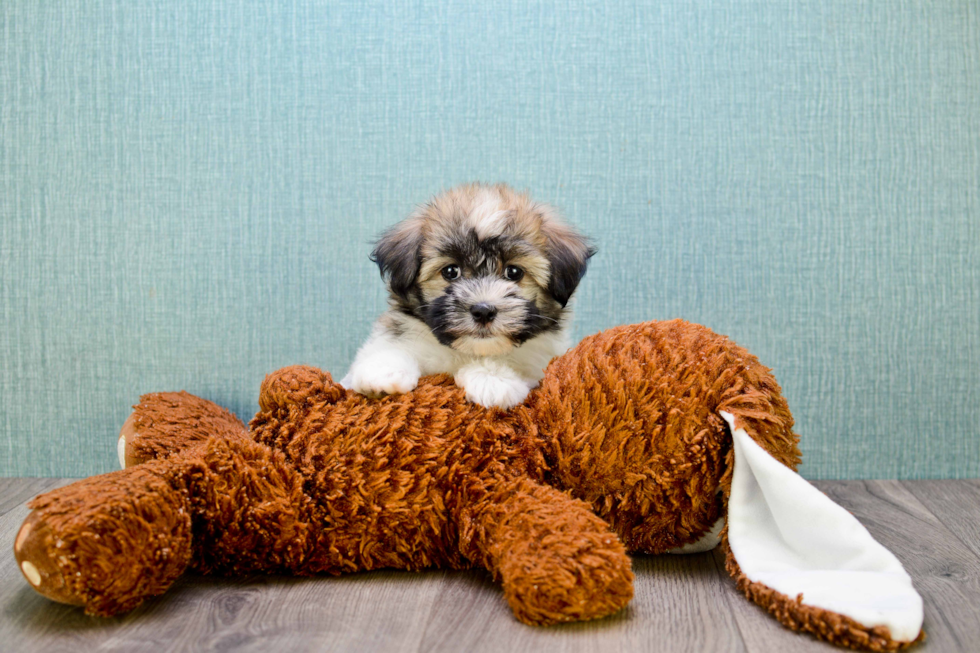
398,254
569,254
810,562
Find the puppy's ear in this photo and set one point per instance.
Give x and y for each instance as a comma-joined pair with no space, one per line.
398,254
569,255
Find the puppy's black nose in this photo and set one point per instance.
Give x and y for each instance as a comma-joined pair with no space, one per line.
483,313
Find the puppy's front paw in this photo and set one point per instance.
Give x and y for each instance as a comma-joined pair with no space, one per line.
492,386
375,377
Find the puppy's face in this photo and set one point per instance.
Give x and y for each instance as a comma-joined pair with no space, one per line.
484,267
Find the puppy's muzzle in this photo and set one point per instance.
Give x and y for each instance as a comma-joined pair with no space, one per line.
483,313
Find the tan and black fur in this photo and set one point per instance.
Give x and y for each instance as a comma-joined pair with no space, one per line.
480,280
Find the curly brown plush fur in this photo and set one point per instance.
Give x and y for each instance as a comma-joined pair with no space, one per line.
620,449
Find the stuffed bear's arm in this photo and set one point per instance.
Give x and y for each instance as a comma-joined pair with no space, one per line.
557,560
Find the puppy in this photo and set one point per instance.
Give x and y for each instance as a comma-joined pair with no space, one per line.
479,281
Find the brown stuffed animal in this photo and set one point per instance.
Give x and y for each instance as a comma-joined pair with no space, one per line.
624,447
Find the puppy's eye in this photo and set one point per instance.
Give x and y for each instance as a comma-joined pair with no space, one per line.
513,273
450,272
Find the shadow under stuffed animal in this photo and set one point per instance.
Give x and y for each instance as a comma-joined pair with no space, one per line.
649,438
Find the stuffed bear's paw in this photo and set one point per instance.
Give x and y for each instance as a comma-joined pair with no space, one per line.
377,376
107,542
587,576
163,423
126,447
39,567
490,385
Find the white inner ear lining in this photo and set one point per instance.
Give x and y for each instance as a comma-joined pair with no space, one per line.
789,536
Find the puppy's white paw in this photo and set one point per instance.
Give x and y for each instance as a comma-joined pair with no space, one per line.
492,385
375,376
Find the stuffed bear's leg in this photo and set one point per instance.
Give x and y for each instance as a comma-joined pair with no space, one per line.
111,541
249,508
165,422
557,560
107,542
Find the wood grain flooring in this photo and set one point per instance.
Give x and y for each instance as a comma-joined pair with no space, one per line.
682,603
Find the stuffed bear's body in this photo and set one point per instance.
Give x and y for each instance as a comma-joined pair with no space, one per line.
620,449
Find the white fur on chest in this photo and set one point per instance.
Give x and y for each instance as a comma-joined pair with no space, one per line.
390,364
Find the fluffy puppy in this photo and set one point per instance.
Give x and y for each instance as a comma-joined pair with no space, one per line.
479,281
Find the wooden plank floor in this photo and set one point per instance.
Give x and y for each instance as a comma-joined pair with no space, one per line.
682,603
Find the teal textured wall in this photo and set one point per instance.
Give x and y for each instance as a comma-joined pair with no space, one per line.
188,191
